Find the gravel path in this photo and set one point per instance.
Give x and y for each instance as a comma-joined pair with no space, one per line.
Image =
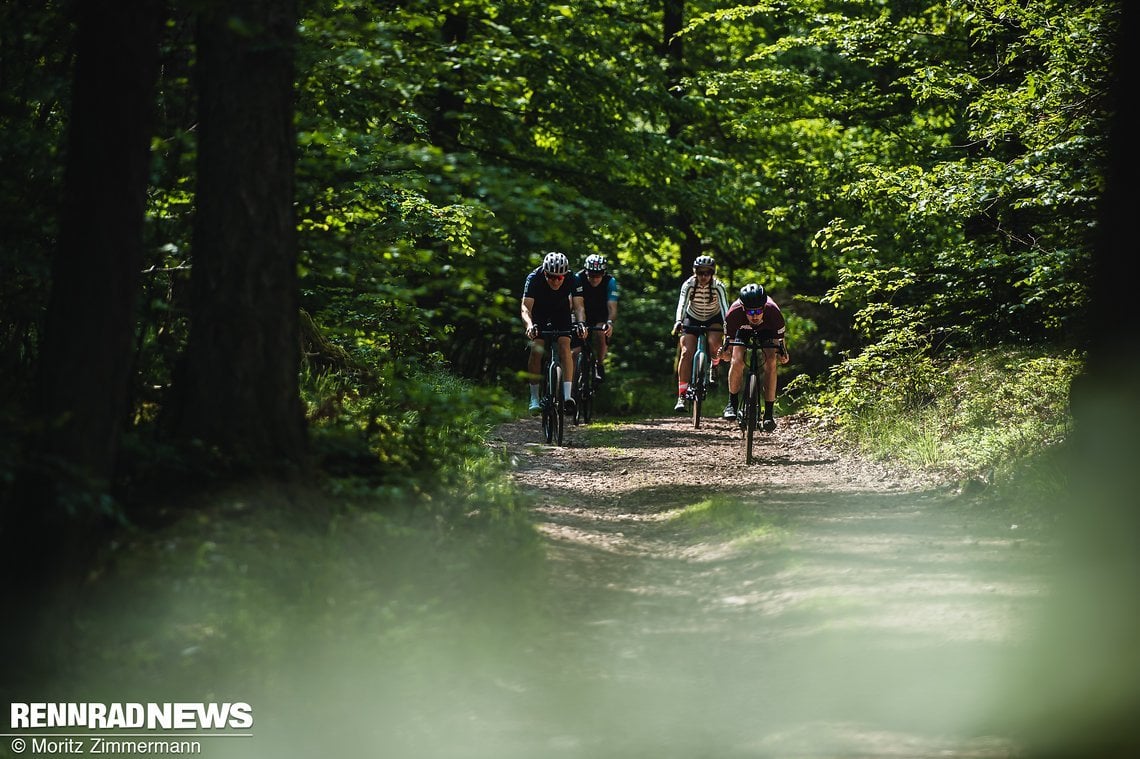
813,604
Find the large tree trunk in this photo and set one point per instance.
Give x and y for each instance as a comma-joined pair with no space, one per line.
238,389
46,530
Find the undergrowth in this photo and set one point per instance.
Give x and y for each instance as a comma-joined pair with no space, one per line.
985,417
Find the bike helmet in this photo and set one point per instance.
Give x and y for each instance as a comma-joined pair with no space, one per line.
594,262
753,296
704,262
555,263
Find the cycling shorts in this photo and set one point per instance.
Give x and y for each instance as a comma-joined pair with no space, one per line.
715,324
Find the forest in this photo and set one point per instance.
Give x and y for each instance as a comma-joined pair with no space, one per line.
285,240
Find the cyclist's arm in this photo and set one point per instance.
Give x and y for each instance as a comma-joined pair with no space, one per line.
683,300
722,300
527,313
612,302
579,305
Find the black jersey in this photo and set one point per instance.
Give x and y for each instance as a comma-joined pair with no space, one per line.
551,306
596,298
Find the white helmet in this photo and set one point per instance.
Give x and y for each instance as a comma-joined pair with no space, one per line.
555,263
704,262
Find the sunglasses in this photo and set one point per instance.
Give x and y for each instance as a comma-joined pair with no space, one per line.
704,272
595,274
556,276
754,311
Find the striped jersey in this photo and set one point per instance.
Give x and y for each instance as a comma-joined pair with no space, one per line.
702,303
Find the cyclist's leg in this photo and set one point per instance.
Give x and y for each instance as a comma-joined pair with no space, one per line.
769,388
601,345
534,369
685,365
716,339
735,380
565,358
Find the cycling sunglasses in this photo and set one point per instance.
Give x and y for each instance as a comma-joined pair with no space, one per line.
754,311
556,276
704,272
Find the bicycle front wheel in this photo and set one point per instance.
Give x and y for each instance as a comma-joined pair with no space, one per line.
558,408
586,392
548,410
751,409
698,387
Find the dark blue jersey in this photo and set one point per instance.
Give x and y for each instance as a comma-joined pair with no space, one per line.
597,297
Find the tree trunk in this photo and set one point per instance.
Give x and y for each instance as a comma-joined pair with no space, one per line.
238,387
48,528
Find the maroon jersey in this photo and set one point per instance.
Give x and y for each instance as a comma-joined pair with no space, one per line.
771,327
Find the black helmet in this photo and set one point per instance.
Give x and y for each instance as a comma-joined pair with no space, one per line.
594,262
753,296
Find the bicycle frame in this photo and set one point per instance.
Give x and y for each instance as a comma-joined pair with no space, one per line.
550,390
698,373
752,382
584,380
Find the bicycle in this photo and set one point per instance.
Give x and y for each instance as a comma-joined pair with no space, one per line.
585,379
700,375
550,390
749,415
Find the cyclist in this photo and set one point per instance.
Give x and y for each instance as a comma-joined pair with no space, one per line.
549,301
703,302
599,291
755,311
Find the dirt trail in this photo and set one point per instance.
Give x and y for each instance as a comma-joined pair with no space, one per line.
811,605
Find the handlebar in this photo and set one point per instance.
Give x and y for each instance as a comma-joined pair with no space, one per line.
753,342
544,333
699,329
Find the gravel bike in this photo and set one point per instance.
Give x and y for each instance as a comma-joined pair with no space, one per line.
586,380
700,375
748,417
550,389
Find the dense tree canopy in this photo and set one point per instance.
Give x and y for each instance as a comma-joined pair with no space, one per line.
921,175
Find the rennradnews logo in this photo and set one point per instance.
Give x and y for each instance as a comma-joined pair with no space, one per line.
149,716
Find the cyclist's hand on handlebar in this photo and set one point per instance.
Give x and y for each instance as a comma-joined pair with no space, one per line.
532,331
581,329
676,329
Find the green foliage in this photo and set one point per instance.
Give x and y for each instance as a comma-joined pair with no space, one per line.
971,415
930,169
402,430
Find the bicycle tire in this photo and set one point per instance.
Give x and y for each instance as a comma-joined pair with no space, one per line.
751,409
697,387
586,404
547,401
559,418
